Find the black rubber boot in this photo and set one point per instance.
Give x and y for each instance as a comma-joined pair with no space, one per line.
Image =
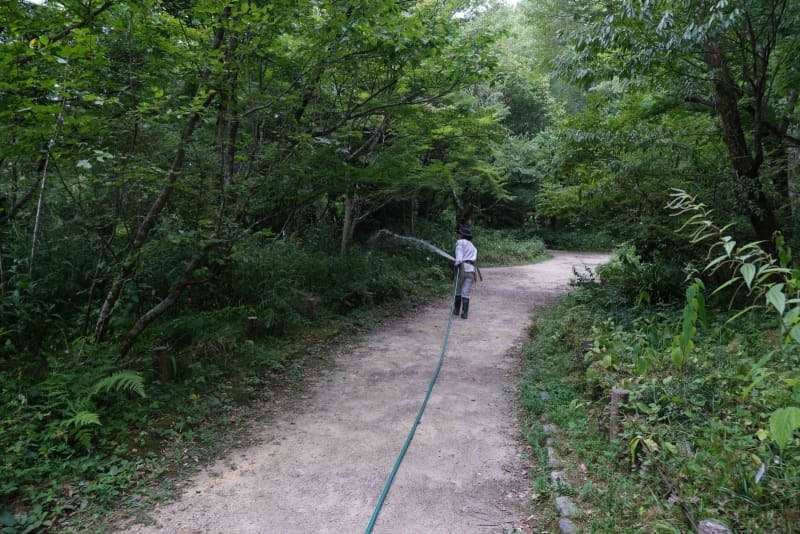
457,305
464,308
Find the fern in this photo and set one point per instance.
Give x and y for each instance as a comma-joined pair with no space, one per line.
78,427
81,419
83,436
121,381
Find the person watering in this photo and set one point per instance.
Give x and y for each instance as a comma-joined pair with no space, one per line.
466,256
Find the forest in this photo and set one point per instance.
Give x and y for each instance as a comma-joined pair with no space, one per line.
191,194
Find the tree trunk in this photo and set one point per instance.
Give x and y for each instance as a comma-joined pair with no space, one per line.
168,301
147,224
793,164
414,210
43,183
747,167
230,118
463,211
791,155
149,221
356,210
350,217
354,207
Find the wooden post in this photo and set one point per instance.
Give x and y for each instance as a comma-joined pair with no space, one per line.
252,327
618,396
161,361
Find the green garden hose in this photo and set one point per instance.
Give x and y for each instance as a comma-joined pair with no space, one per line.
389,481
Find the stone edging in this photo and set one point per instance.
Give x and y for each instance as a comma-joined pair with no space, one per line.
567,509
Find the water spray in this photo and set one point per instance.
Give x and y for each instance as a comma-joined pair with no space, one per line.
391,236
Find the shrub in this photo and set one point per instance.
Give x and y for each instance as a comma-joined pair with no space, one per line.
627,281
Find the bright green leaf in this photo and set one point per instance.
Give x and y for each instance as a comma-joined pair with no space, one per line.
777,298
783,423
729,247
748,271
794,333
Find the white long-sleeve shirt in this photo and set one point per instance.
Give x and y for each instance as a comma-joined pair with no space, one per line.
465,250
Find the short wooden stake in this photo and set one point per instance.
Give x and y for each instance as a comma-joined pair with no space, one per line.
161,361
619,396
252,327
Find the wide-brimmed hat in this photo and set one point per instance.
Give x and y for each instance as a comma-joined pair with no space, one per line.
464,231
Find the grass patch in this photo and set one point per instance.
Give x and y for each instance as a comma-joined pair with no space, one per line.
692,440
506,248
608,498
583,239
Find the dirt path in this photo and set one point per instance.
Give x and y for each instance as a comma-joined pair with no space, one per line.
322,469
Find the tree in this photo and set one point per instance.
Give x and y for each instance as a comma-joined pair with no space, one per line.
385,64
178,129
733,58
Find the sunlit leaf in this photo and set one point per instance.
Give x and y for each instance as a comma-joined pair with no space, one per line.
777,298
782,424
748,271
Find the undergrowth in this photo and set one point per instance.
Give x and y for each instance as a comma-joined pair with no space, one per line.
506,248
87,433
586,239
695,442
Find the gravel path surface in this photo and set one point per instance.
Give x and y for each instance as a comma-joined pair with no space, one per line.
321,468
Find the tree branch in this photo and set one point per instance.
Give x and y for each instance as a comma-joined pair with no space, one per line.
156,311
158,204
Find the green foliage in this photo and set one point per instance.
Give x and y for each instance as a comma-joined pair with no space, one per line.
297,280
572,239
752,266
555,364
704,390
782,424
765,276
188,185
677,427
66,428
127,200
530,105
82,423
722,391
120,381
506,248
626,280
694,312
610,167
725,46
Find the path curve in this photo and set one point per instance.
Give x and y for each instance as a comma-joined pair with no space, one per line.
322,468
